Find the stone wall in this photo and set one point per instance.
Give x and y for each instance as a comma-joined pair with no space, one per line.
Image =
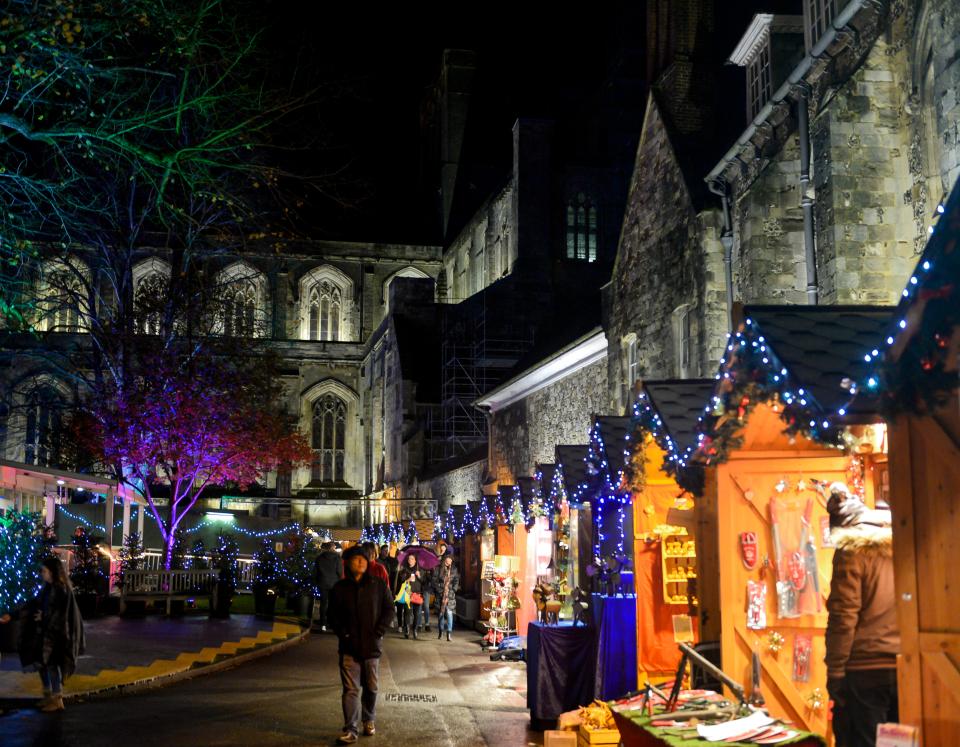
456,486
527,431
669,256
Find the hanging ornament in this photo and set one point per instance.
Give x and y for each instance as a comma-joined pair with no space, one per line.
756,605
749,551
775,642
816,700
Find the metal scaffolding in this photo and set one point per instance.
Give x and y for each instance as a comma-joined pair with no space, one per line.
481,343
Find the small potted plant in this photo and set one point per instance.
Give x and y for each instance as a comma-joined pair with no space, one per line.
224,559
301,556
266,580
131,559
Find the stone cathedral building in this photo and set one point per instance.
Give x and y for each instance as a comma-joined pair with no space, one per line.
788,152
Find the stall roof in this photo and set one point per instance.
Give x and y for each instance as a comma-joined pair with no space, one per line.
680,402
920,367
824,347
571,460
34,478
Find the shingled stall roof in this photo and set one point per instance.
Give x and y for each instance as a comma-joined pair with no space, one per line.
571,461
679,403
609,436
545,474
825,349
920,367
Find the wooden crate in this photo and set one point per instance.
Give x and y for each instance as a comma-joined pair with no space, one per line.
590,736
555,738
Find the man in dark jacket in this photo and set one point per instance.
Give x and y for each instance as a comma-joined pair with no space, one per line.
328,570
361,609
862,636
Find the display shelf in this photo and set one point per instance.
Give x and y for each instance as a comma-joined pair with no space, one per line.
678,555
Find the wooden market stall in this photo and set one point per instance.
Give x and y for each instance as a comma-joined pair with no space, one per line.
664,542
772,439
920,400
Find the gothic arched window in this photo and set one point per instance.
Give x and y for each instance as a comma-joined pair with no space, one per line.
63,298
240,310
148,302
325,304
581,229
329,439
43,427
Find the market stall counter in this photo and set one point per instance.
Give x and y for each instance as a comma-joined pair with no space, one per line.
637,730
561,669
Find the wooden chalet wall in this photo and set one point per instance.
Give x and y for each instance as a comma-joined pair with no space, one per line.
925,500
741,492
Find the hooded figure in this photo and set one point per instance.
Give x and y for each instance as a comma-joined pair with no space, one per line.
862,637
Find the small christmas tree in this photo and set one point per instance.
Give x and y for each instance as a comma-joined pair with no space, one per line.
301,556
131,555
269,572
226,559
21,549
178,553
199,554
87,576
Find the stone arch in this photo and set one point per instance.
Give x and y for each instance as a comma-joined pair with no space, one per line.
64,293
406,272
149,278
338,454
34,419
322,290
243,295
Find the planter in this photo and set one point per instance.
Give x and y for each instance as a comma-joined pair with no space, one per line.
264,602
89,605
9,634
306,607
221,599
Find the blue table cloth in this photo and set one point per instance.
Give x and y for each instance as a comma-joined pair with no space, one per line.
616,619
561,666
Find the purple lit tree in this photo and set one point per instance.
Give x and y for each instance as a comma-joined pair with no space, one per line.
189,424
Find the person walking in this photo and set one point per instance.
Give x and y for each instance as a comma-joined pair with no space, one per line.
373,567
328,570
389,562
361,609
440,550
862,638
52,638
445,582
410,597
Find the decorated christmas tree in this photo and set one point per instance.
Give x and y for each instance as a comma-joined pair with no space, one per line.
130,555
21,548
87,576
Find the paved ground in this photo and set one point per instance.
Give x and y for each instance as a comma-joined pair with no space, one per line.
293,698
121,652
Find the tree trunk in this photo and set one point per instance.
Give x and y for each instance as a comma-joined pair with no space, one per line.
168,551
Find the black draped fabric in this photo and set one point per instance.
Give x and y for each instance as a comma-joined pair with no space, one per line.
561,667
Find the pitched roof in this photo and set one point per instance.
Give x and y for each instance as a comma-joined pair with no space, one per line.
823,347
680,403
572,461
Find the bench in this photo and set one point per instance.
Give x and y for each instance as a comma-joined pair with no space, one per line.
166,585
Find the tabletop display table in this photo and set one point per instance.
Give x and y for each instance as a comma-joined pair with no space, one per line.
616,620
561,669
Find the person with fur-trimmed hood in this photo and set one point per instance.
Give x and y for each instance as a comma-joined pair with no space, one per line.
862,635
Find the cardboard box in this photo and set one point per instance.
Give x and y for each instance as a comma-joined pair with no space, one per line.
598,736
554,738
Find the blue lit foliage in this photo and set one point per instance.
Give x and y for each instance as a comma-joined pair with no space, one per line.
609,487
21,549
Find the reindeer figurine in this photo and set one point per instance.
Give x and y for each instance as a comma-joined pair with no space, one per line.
581,607
548,609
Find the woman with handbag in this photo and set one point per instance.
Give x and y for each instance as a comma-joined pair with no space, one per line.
410,598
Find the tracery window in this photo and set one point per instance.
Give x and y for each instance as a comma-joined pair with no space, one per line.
325,304
328,439
581,229
240,310
43,427
149,301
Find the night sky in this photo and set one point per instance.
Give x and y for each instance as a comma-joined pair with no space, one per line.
374,63
373,67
